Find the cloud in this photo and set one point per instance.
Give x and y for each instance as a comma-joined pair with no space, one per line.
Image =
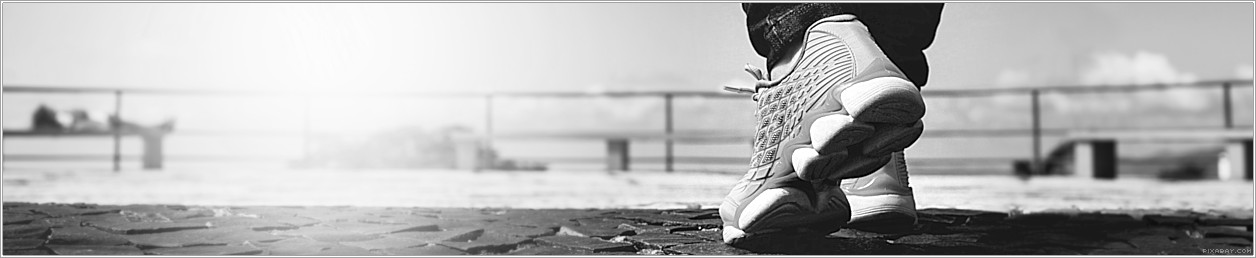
1139,68
1243,72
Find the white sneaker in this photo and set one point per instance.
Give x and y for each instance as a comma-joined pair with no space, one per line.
837,111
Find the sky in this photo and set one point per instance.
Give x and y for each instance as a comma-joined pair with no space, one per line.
581,47
570,46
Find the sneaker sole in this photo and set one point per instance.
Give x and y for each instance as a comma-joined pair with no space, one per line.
867,156
890,138
783,214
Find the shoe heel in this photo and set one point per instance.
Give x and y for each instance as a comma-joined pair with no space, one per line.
884,100
882,213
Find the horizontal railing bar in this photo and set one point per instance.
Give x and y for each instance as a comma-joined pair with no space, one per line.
1077,88
154,91
109,157
715,94
696,136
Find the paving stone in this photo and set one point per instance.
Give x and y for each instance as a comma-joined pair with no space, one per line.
64,211
1162,245
1226,241
327,234
586,243
519,231
1104,220
599,232
206,250
452,235
255,224
1153,251
375,229
297,246
672,220
76,221
327,215
1038,219
696,214
929,239
1117,245
217,236
342,250
1044,239
601,222
487,243
398,220
121,225
1225,222
1153,231
386,243
855,233
448,224
1222,231
293,220
710,235
173,212
18,244
27,252
1169,220
73,236
1151,241
469,215
425,251
21,218
25,231
266,212
644,228
662,240
17,205
94,250
549,250
959,212
939,219
542,222
709,249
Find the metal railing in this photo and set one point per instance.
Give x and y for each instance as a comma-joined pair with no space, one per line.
669,135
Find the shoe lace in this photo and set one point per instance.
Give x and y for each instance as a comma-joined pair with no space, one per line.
761,82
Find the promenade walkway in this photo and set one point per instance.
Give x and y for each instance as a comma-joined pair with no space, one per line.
552,213
85,229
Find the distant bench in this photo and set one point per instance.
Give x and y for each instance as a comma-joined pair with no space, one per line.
152,158
1094,152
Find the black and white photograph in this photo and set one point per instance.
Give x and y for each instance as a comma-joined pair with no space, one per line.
599,128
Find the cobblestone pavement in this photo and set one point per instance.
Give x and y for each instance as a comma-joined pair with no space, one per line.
87,229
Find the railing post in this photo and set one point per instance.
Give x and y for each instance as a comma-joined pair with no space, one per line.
667,129
488,134
117,132
1226,107
1037,130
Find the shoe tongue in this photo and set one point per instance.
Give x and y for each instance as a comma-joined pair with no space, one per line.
786,64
